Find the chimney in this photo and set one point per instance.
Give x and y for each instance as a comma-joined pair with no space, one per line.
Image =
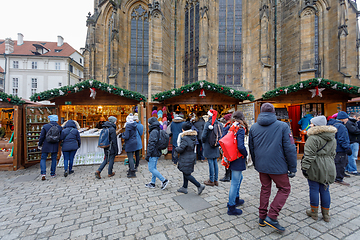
60,41
9,46
20,40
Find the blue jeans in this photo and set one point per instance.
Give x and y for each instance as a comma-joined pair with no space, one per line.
152,168
314,189
351,167
213,169
236,179
43,163
69,159
109,158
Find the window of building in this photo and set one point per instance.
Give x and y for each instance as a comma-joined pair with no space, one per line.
34,65
15,64
33,91
71,68
229,50
316,48
191,61
34,83
139,50
58,50
80,60
59,84
15,84
57,66
15,92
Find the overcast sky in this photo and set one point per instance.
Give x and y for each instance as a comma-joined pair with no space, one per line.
44,20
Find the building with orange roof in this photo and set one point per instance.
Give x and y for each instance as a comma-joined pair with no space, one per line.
28,67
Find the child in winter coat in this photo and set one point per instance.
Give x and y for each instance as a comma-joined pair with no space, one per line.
186,147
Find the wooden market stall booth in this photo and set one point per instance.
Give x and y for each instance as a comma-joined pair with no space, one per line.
199,97
88,102
11,132
318,95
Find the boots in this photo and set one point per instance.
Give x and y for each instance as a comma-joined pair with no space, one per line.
97,175
233,211
131,174
313,212
239,202
227,176
325,213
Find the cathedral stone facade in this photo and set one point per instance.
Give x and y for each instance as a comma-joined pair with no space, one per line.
253,45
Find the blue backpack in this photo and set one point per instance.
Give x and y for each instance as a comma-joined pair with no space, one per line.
104,138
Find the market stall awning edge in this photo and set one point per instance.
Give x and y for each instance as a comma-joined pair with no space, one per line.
7,98
312,83
206,86
91,83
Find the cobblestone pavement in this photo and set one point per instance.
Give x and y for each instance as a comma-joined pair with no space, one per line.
82,207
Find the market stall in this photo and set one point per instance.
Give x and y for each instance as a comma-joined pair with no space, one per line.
10,132
89,103
197,97
318,96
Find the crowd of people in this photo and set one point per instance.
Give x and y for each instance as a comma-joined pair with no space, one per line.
270,145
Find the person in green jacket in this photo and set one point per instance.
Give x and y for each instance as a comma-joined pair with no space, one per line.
318,165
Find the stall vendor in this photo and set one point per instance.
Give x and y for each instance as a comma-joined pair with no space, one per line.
305,121
100,123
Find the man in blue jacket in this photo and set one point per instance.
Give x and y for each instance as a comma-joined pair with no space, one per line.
274,156
305,121
342,146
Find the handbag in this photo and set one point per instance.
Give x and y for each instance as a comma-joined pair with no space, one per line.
229,145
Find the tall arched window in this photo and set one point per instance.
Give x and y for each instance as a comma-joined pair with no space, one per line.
191,62
229,51
316,48
139,50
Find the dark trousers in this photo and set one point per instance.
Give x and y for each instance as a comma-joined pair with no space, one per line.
199,151
109,158
283,186
187,178
137,158
341,160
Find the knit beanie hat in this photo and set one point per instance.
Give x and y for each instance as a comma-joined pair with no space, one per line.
136,117
186,126
130,118
112,119
319,121
152,120
53,118
227,117
342,115
267,107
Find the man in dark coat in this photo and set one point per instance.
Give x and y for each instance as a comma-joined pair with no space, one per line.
111,151
130,143
354,136
342,146
274,155
47,147
199,124
153,154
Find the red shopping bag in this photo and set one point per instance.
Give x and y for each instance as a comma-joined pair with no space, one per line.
229,145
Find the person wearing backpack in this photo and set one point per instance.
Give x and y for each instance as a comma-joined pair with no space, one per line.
71,142
111,151
153,153
211,152
187,149
130,143
49,143
139,133
175,129
240,128
199,124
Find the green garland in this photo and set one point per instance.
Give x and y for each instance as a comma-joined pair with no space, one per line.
7,98
311,83
206,86
63,91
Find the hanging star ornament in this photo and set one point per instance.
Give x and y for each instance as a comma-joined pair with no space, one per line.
316,92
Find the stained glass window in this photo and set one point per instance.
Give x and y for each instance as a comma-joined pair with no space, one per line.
229,50
139,50
191,61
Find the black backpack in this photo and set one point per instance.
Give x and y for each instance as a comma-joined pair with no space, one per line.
163,140
53,135
215,135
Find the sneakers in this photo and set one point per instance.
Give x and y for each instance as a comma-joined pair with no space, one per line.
164,184
354,173
71,172
261,222
97,175
183,190
150,185
43,177
343,183
66,174
53,175
200,189
274,224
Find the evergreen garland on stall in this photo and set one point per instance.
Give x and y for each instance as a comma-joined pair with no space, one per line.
312,83
205,85
7,98
65,90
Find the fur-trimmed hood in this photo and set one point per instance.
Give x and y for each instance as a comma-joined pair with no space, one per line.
178,119
326,132
187,133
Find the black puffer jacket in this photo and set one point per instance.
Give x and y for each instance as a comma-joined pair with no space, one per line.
354,131
186,149
154,131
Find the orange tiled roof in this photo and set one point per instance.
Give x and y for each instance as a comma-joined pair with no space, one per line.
27,48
